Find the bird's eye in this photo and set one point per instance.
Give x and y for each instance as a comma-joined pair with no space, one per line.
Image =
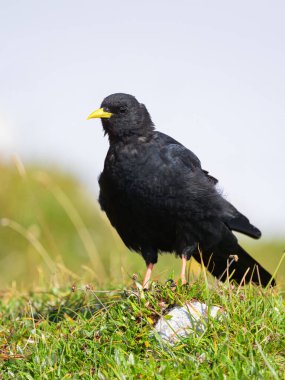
123,109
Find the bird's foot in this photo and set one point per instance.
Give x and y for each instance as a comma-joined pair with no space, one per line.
183,280
173,284
146,280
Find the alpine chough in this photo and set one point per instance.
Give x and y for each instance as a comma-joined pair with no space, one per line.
157,196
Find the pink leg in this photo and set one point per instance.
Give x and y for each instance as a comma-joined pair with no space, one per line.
183,270
147,276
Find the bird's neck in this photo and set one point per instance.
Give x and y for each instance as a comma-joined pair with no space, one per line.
132,135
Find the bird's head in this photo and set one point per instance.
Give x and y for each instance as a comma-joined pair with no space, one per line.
122,116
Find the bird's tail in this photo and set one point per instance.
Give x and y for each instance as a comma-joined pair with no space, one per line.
239,266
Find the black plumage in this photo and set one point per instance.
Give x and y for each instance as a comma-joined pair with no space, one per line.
159,199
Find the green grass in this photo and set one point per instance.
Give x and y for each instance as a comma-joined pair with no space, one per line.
83,334
54,241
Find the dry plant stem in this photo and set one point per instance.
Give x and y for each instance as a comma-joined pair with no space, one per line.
183,269
147,276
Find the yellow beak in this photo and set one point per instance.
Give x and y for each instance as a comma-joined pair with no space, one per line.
100,113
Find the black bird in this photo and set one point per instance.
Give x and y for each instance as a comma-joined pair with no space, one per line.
157,196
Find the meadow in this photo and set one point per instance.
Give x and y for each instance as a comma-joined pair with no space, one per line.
69,307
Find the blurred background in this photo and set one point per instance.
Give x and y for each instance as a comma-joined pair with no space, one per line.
210,73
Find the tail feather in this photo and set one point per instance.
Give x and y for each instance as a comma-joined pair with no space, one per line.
240,267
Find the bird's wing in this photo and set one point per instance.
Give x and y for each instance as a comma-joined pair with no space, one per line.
232,218
236,221
177,151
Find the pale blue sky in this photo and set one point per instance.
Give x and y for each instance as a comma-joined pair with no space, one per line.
211,74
